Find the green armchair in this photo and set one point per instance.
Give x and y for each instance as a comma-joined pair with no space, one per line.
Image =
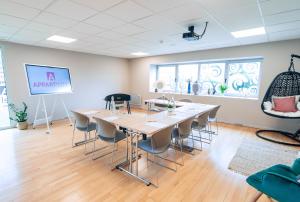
279,182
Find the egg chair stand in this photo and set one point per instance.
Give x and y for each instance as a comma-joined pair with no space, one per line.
293,136
285,84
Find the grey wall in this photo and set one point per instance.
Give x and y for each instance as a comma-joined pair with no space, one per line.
93,76
234,110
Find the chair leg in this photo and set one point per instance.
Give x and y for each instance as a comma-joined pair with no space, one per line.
127,147
200,137
208,128
94,150
89,135
112,157
85,140
217,127
73,136
181,143
156,173
175,159
147,157
193,141
210,133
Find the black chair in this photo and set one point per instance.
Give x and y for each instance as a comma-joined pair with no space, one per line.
118,98
284,84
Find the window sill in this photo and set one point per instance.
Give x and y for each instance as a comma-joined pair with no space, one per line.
205,95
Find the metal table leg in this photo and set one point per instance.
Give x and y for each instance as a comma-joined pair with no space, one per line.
132,159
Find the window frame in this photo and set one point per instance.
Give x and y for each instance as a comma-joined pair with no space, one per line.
227,62
2,55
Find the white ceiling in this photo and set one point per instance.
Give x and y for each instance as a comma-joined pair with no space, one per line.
120,27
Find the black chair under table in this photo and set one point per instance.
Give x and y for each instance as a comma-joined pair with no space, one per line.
118,99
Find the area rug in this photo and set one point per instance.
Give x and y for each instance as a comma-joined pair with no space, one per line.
254,155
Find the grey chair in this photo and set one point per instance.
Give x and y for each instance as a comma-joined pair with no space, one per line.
82,123
186,100
201,124
157,144
213,119
109,133
183,131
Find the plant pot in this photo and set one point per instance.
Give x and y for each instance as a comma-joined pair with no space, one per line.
22,125
170,109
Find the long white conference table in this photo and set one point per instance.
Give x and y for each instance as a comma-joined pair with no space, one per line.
148,124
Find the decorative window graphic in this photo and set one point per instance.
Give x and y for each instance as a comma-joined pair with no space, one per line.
236,78
243,79
211,77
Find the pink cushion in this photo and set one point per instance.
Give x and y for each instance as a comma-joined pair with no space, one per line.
286,104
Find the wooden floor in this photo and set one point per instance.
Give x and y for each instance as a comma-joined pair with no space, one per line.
44,167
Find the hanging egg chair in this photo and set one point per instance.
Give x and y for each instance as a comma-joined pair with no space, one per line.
285,84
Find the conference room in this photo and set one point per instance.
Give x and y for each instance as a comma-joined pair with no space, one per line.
135,100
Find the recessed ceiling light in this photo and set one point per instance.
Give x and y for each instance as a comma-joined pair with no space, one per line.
249,32
139,54
61,39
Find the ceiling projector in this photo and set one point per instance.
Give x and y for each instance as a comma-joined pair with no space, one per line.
193,36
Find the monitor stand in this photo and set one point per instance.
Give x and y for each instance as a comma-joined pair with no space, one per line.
48,119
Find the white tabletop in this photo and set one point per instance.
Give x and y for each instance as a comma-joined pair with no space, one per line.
150,123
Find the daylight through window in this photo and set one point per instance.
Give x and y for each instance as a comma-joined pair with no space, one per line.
236,78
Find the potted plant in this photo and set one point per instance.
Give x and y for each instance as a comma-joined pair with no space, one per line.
223,88
20,116
171,105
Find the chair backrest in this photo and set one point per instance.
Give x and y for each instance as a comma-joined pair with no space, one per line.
296,166
105,129
185,128
81,121
162,139
186,100
118,97
213,112
162,98
203,119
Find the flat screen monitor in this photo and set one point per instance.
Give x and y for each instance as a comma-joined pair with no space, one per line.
48,80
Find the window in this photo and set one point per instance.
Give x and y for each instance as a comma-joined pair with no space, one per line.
243,79
211,77
4,118
167,75
240,77
185,73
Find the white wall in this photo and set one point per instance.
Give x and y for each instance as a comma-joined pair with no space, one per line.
241,111
93,76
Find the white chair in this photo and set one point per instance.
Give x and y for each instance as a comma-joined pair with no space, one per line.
212,118
157,144
82,123
201,124
183,131
108,132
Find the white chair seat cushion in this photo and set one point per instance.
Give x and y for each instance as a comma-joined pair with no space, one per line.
286,114
268,105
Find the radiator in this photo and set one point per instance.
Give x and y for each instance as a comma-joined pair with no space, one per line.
136,100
